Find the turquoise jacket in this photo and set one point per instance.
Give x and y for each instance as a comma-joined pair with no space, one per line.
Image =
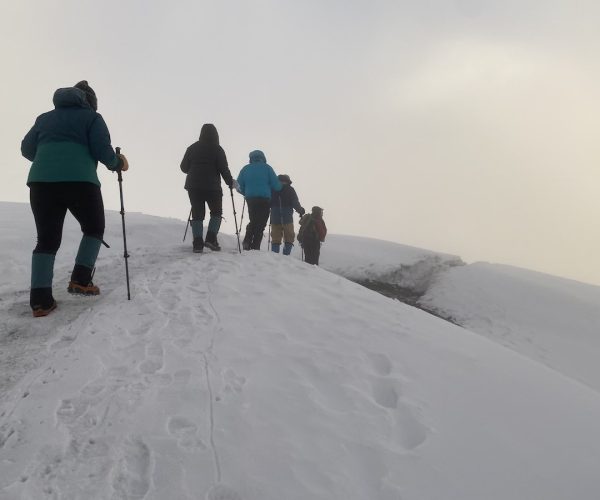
258,178
66,144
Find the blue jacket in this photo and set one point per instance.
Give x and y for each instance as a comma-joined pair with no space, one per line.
258,178
66,144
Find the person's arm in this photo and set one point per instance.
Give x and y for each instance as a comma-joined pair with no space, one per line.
296,203
323,230
100,147
273,180
242,182
29,143
185,163
223,168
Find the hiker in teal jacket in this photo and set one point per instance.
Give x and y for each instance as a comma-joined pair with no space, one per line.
65,146
256,181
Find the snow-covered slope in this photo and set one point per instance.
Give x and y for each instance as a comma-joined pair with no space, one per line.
368,259
256,376
553,320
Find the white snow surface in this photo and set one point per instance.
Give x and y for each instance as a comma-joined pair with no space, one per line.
259,377
553,320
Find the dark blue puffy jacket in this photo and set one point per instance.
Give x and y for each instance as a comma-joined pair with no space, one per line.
66,144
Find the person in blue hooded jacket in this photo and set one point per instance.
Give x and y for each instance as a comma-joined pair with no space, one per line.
256,181
65,146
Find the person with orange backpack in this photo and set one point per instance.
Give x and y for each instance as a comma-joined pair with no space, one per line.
311,234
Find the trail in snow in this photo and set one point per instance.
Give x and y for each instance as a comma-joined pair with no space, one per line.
119,373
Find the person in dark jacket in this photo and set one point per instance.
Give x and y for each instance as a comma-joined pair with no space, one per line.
283,204
311,234
205,163
65,146
256,181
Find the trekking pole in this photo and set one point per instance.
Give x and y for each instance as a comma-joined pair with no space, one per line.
301,245
243,208
237,233
187,225
281,221
125,254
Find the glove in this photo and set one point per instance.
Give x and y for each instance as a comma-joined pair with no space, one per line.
235,185
302,211
124,163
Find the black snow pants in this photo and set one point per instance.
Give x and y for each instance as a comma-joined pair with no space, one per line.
49,204
199,198
258,212
312,251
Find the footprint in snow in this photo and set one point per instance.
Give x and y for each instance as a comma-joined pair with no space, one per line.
409,431
232,381
386,393
182,377
222,492
381,363
131,475
185,431
154,359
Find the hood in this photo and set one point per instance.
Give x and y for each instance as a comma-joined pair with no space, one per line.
209,134
257,157
70,97
90,95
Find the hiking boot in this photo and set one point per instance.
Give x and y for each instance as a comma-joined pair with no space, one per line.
214,246
287,248
79,289
41,311
211,241
198,244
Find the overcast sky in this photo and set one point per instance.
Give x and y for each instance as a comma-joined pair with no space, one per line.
465,126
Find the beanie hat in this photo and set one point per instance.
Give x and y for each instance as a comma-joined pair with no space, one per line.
317,211
90,95
284,178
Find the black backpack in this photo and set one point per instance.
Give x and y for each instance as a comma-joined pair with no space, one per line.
307,231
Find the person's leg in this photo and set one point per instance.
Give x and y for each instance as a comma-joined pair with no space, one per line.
310,252
215,205
317,253
261,216
49,214
276,236
197,201
247,242
85,203
289,237
252,204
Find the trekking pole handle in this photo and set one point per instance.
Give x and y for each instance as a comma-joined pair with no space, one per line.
118,150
